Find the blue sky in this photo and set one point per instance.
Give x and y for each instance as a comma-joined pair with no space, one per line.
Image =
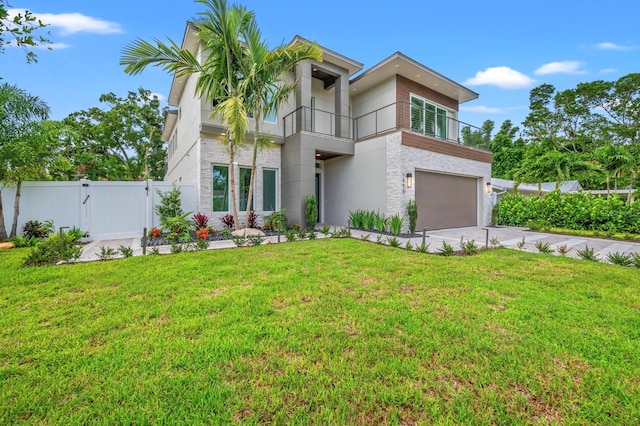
499,49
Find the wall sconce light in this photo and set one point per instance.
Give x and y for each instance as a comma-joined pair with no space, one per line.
409,180
489,187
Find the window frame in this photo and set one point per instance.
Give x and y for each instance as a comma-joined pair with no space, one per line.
241,187
226,203
275,189
433,118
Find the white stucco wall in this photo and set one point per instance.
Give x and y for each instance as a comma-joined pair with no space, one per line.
213,152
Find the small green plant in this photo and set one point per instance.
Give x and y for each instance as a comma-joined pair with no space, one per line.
563,250
311,211
380,222
544,247
77,234
176,248
302,234
201,244
469,247
423,248
239,240
393,241
36,229
125,251
412,212
276,220
356,219
395,224
154,250
635,259
368,218
341,233
620,259
408,246
178,224
365,237
494,243
52,250
19,241
291,234
311,235
588,254
379,239
520,244
256,240
225,233
106,253
325,230
446,249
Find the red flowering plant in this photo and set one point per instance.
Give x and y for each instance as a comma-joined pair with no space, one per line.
202,234
155,233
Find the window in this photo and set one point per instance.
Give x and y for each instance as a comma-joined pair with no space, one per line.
245,180
428,118
269,190
220,186
269,117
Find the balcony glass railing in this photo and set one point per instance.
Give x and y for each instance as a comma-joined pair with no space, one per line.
305,119
403,115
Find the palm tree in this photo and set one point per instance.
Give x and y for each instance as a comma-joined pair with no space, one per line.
219,29
265,86
18,111
552,166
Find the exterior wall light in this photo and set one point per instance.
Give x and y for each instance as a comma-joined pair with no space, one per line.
489,187
409,180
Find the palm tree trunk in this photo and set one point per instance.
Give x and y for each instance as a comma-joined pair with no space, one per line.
253,167
630,193
3,230
608,186
232,183
16,210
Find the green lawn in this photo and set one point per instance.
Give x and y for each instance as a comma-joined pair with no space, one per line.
332,331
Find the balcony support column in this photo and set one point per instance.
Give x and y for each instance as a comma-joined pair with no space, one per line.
342,125
303,94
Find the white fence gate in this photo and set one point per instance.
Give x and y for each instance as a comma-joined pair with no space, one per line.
103,209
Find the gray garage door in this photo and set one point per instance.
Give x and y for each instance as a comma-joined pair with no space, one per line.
446,201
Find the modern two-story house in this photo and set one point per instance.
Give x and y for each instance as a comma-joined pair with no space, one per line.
374,141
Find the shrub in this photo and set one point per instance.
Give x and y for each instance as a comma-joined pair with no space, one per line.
588,254
564,250
469,247
291,234
19,241
423,248
395,224
620,259
635,259
355,219
276,220
252,219
446,249
53,249
178,224
227,221
393,242
77,234
200,221
544,248
239,240
106,253
325,230
170,205
311,211
408,245
256,240
412,212
36,229
380,221
368,219
125,251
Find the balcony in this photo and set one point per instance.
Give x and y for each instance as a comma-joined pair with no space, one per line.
404,116
312,120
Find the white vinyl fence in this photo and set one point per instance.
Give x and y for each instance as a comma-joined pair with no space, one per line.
105,210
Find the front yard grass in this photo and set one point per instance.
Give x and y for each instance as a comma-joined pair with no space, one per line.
334,331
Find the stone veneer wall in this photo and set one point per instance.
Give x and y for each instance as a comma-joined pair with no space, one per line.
402,159
213,152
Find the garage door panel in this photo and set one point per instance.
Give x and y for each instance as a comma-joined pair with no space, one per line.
446,201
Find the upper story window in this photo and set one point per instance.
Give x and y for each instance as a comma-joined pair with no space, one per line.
428,118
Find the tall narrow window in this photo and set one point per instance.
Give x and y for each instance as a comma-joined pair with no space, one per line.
427,118
220,188
269,190
245,180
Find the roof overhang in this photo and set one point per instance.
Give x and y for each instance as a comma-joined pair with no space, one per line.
330,56
170,121
190,42
400,64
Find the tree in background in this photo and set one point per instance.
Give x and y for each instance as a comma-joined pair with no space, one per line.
507,151
480,138
21,27
120,142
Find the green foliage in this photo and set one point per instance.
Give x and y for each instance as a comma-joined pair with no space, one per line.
172,218
395,224
178,224
469,247
408,245
311,235
393,242
19,241
106,253
22,27
520,244
325,230
256,240
37,229
423,248
311,211
276,220
620,259
544,248
564,250
356,219
239,240
380,222
125,251
446,249
588,254
341,233
52,250
202,244
291,234
635,259
412,212
571,211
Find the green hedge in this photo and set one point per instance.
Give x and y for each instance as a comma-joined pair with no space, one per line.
572,211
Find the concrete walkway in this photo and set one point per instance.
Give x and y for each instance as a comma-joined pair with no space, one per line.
507,237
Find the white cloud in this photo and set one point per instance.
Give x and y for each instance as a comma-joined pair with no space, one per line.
71,23
564,67
612,46
608,70
483,109
160,96
503,77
